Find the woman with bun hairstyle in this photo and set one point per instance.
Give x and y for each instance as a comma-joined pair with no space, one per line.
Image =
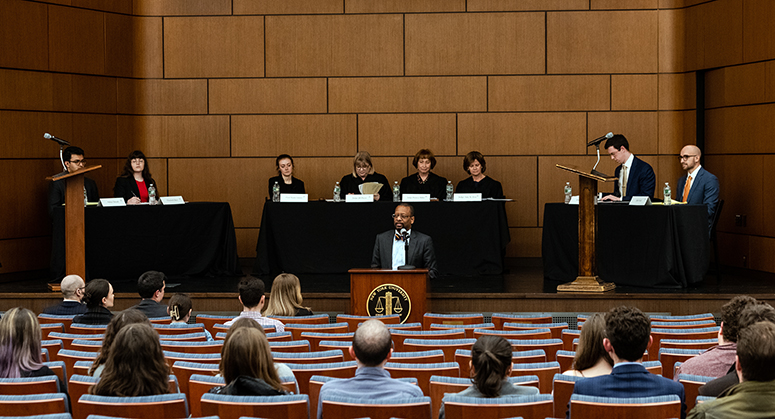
98,297
179,309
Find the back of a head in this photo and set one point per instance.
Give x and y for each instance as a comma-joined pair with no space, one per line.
591,347
19,343
118,322
372,343
95,291
179,306
490,362
251,290
756,352
629,330
285,298
246,352
149,283
755,313
730,316
70,285
618,141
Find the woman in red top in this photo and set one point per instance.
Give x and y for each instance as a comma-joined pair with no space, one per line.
134,182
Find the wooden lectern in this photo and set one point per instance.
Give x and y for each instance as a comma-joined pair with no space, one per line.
587,281
364,293
75,245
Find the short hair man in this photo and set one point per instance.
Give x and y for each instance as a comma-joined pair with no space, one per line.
74,161
635,177
716,361
698,186
72,290
628,334
754,397
251,296
389,247
371,348
151,287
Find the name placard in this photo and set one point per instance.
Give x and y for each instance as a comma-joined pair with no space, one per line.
416,197
112,202
359,198
640,200
467,197
574,200
293,197
172,200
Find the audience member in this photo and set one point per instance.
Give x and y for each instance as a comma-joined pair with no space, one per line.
247,366
628,334
72,287
98,297
151,287
591,357
124,318
136,365
285,298
282,369
252,298
20,348
371,348
180,308
754,397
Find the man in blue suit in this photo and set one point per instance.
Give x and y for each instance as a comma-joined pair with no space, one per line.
628,333
634,176
698,186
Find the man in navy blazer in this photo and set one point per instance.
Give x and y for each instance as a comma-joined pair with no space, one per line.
640,179
628,334
703,185
389,247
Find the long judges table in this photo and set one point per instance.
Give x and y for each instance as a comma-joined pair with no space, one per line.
123,242
330,238
645,246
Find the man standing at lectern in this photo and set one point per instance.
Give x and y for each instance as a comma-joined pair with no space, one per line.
698,186
389,248
74,161
634,176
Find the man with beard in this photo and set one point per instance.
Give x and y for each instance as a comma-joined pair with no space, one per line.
389,248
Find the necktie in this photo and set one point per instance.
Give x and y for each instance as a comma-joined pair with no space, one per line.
623,181
686,188
399,237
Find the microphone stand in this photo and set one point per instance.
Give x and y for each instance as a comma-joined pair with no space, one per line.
406,266
595,172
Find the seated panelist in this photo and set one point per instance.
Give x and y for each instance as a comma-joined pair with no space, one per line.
478,182
133,183
288,183
425,181
363,172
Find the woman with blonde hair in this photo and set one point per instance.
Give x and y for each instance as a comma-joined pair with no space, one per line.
285,298
591,357
363,172
20,349
247,366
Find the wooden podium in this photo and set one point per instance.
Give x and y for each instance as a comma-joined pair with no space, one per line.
75,243
587,281
375,290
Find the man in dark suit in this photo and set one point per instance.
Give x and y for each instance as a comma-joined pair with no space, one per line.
628,334
74,161
389,246
151,287
698,186
72,287
634,176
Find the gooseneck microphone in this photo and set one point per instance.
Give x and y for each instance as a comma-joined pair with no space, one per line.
57,139
599,140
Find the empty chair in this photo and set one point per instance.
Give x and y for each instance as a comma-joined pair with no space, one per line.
399,336
703,399
692,384
353,321
405,326
407,408
340,345
550,346
69,357
315,338
304,372
544,370
159,320
159,406
320,357
210,320
689,318
499,319
467,328
683,325
657,334
654,367
429,318
219,328
276,336
30,385
270,407
440,385
688,343
316,383
423,372
297,328
185,337
197,347
463,357
448,346
68,338
669,356
46,328
565,359
199,385
555,328
88,329
66,321
515,334
59,369
86,345
171,357
33,404
582,407
52,346
567,338
80,385
461,407
290,346
184,370
313,319
421,357
169,329
562,389
81,367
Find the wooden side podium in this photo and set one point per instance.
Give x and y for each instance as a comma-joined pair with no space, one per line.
75,244
364,293
587,281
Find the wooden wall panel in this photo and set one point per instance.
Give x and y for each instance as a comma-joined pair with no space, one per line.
478,43
738,85
715,88
405,134
404,6
734,249
672,40
238,96
640,128
23,35
634,92
694,41
740,129
623,4
669,171
156,96
522,5
549,93
758,38
320,175
762,249
214,46
26,254
175,136
105,177
94,94
297,135
448,167
27,217
95,134
518,175
741,183
246,242
768,201
181,7
769,86
30,90
114,6
410,94
676,129
575,43
22,133
362,45
672,4
287,7
523,133
677,91
134,46
525,242
76,39
723,32
394,169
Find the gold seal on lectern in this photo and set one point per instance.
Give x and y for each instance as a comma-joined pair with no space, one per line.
387,300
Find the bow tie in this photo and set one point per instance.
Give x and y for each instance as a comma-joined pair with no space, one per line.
400,237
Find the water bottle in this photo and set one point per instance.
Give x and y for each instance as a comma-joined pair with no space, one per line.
568,192
337,192
667,199
151,194
396,192
85,197
450,191
276,192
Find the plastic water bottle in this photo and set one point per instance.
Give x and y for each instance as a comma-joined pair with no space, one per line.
450,190
151,194
568,192
85,197
396,192
276,192
337,192
667,193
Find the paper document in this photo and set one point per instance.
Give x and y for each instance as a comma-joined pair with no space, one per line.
370,188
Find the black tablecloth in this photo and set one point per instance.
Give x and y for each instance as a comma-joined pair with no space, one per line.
330,238
123,242
646,246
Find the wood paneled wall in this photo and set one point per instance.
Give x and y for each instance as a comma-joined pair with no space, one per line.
213,90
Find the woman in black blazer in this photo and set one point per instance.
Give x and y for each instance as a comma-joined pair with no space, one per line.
134,182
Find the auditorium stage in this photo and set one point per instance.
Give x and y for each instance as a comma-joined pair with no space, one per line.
521,289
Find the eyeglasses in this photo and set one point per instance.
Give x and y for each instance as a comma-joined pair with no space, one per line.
686,157
82,161
401,217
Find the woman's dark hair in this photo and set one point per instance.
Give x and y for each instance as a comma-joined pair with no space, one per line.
126,317
591,348
490,361
246,352
424,154
136,366
468,160
179,306
95,291
280,157
128,172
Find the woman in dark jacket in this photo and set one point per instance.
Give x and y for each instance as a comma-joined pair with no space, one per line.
247,365
98,297
135,180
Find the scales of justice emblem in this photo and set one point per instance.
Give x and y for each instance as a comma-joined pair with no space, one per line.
387,300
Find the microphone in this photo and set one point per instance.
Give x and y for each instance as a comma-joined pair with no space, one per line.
57,139
403,234
597,141
406,265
